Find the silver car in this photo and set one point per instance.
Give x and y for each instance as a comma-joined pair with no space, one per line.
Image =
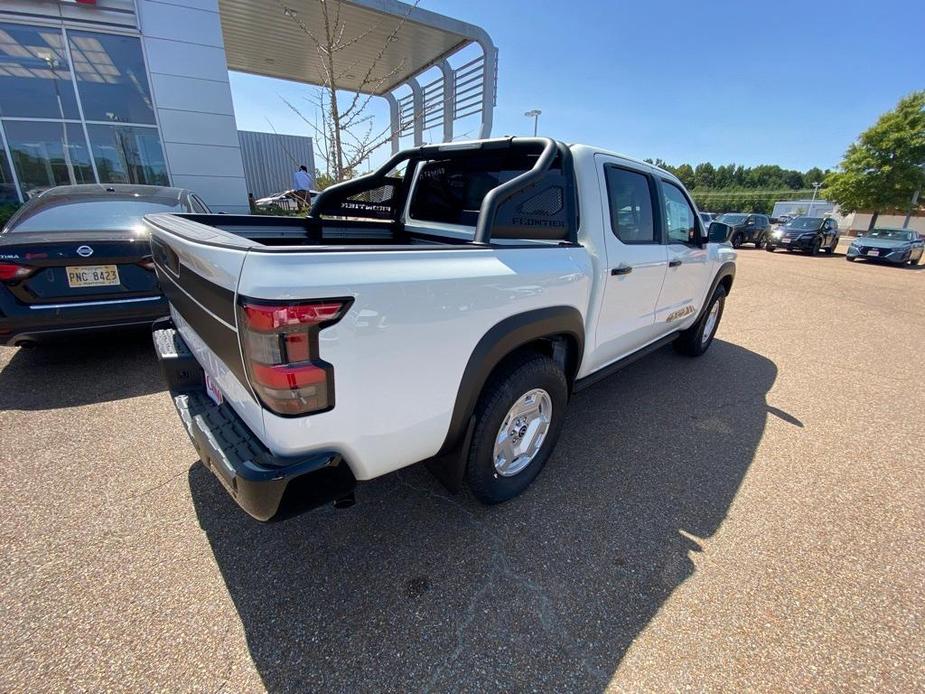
896,246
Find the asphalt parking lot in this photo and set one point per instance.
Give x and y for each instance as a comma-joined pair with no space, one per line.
752,520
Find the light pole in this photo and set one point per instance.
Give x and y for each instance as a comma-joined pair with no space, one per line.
816,187
535,115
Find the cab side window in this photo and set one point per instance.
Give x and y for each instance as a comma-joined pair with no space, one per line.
680,220
630,198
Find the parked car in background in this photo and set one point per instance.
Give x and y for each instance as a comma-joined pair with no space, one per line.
782,220
896,246
451,324
808,234
287,200
706,218
746,228
78,258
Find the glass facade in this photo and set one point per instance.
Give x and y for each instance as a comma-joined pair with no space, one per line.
128,154
111,77
35,77
47,154
75,107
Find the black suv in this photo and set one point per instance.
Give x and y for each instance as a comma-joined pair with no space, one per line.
747,228
808,234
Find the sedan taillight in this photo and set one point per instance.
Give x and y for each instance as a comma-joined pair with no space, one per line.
10,272
281,352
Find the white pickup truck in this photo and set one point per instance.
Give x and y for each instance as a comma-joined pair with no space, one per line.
440,309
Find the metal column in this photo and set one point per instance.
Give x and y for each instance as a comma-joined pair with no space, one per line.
449,99
418,112
394,120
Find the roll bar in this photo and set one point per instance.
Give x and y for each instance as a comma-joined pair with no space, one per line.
331,196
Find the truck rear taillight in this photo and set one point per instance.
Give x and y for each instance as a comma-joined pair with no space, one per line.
281,352
10,272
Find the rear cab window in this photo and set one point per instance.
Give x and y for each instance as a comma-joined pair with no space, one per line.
449,193
630,201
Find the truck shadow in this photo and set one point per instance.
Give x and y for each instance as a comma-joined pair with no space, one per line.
414,589
80,371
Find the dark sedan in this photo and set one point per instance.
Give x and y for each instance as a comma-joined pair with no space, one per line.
78,258
808,234
896,246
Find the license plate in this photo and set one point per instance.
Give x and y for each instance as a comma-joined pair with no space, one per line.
873,251
213,391
92,276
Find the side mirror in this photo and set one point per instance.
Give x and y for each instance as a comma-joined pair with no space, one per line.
718,232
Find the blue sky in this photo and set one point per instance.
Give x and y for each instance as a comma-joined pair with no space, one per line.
789,83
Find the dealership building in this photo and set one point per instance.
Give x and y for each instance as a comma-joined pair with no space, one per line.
137,91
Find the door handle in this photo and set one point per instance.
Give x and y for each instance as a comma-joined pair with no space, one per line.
622,270
674,263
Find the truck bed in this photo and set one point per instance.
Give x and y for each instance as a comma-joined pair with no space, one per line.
298,232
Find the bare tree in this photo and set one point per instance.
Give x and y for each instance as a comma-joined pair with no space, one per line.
346,135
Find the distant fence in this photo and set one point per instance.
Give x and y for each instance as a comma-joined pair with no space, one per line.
744,199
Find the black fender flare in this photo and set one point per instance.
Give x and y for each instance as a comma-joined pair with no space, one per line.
725,270
500,341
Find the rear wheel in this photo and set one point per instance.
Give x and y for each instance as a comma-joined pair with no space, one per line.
697,339
760,241
518,421
737,239
850,258
916,261
770,248
831,249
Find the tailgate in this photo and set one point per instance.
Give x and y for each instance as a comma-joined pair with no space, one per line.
198,269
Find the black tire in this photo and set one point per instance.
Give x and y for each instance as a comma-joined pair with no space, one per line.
520,376
760,241
916,261
831,249
690,342
850,258
736,239
816,247
770,248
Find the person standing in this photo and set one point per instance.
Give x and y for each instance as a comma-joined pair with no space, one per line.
302,183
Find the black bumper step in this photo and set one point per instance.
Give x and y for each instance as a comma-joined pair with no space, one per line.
263,484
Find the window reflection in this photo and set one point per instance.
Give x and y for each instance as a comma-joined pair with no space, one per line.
7,188
48,154
35,81
111,77
126,154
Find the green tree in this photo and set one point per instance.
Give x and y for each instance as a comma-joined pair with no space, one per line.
883,168
814,175
705,175
686,174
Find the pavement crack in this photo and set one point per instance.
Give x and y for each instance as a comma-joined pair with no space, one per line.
152,489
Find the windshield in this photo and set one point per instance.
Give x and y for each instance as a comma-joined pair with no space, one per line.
102,215
731,218
806,223
894,234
